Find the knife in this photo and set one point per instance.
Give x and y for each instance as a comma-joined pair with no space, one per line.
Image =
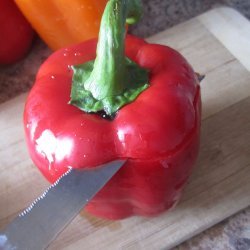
48,215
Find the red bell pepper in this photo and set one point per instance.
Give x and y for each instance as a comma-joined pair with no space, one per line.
156,124
16,33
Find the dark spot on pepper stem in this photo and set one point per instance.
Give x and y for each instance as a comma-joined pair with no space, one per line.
104,115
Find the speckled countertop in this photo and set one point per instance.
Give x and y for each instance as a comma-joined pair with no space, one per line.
234,232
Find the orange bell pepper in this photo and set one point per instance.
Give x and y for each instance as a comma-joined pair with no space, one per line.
61,22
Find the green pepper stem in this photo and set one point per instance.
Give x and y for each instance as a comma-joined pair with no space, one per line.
106,86
108,75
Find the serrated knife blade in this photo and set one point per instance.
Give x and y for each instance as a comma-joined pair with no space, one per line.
49,214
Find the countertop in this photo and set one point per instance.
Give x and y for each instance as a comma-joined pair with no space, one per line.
234,232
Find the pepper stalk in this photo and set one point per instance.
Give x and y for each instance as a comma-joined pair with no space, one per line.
111,80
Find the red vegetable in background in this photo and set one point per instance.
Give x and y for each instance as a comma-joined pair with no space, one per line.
155,124
16,33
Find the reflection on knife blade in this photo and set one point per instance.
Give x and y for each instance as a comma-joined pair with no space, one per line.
47,216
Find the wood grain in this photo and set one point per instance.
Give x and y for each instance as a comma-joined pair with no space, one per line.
232,29
219,186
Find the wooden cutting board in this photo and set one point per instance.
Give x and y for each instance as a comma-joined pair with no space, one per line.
217,44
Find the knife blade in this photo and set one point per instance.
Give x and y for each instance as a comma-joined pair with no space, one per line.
48,215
